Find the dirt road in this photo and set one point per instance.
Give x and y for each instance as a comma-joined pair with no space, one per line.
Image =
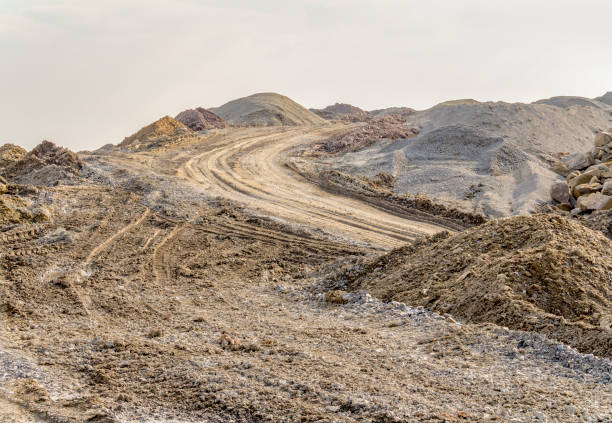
248,166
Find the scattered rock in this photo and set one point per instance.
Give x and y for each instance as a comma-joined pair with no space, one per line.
589,185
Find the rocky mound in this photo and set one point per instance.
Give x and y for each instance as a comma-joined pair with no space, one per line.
266,109
155,134
200,119
521,139
342,111
46,164
588,184
540,273
391,127
10,153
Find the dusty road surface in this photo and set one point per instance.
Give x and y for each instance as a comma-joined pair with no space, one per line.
248,166
145,299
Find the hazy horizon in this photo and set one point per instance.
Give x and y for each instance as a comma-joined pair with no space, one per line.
83,75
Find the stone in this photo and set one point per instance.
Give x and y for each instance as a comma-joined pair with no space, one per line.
564,206
583,189
577,161
603,138
595,201
607,187
559,191
597,169
579,180
572,175
560,168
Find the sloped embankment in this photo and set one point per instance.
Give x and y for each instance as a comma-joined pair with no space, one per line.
539,273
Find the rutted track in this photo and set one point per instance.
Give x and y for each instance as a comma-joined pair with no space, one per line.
248,166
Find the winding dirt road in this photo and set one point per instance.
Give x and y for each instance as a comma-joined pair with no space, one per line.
248,166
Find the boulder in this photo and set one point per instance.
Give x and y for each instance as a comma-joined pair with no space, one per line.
583,189
577,161
595,201
559,192
607,187
603,138
579,180
598,169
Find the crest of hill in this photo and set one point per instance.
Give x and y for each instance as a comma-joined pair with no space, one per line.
200,119
266,109
155,134
539,273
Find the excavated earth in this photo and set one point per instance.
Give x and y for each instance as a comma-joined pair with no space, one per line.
541,273
188,280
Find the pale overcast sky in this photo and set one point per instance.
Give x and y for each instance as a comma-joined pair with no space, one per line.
85,73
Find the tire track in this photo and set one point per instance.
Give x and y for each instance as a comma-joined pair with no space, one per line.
251,170
106,243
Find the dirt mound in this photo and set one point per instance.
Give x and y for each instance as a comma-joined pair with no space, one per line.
342,111
46,164
155,134
391,127
10,153
266,109
540,273
200,119
529,136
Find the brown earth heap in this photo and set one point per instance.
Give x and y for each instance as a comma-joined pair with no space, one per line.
46,164
155,134
387,127
539,273
10,153
200,119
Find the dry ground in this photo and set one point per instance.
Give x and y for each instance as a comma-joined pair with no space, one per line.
148,299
